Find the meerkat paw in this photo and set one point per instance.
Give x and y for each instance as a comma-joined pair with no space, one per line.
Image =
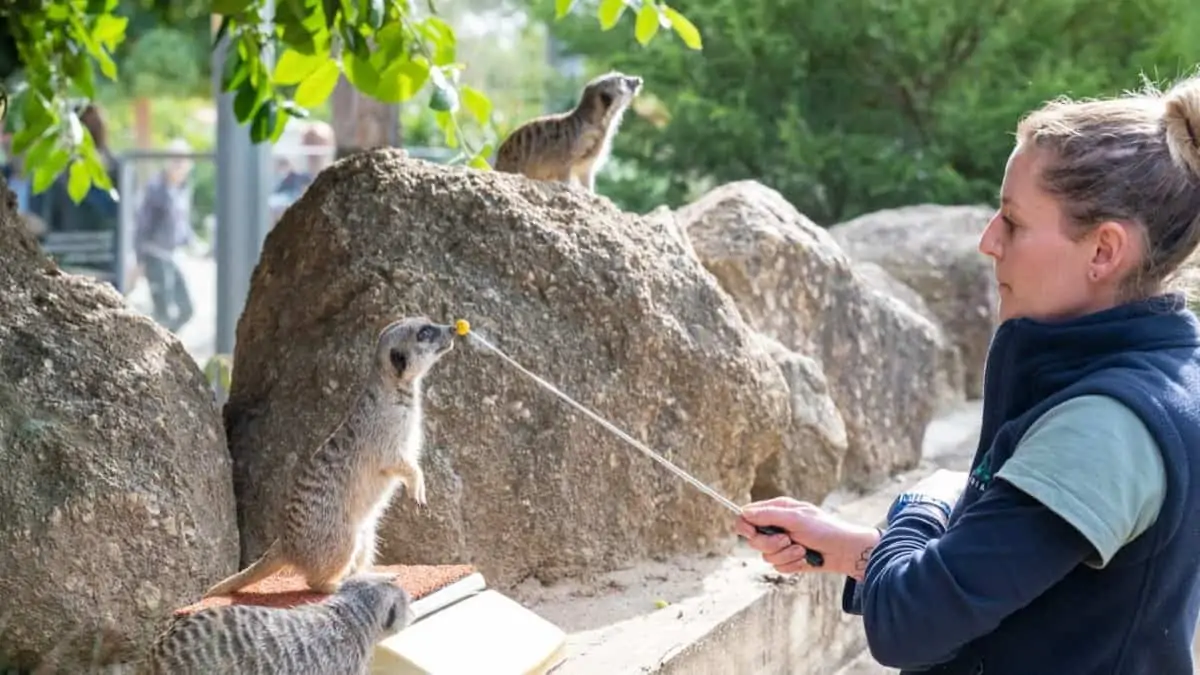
418,492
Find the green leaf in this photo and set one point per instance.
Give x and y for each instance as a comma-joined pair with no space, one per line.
36,111
280,123
95,7
392,43
26,137
477,103
229,6
562,8
110,30
78,180
355,42
647,24
445,43
402,80
235,70
99,175
294,67
445,122
44,174
330,9
360,73
41,150
79,69
444,98
480,161
303,29
318,85
245,102
83,35
684,28
263,125
107,67
374,13
609,13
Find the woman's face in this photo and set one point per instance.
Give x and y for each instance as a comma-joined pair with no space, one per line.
1042,272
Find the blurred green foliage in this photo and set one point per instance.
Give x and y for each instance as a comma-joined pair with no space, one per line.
850,106
279,64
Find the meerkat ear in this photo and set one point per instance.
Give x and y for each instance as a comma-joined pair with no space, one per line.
606,99
391,617
399,360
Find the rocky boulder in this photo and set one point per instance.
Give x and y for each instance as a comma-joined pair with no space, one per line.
951,376
616,313
117,496
934,250
815,445
793,282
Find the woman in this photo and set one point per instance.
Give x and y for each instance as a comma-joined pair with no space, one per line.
1071,546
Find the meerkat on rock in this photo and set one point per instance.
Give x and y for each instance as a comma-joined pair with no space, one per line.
339,493
334,636
571,146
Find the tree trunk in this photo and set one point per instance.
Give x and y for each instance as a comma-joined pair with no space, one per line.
360,122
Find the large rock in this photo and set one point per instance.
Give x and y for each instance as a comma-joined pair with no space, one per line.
616,313
951,376
116,503
796,285
810,464
934,250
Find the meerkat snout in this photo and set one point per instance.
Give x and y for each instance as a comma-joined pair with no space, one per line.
392,604
614,91
408,348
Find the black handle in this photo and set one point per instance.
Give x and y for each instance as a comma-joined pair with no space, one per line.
813,558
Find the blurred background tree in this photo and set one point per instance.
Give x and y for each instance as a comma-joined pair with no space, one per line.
850,106
844,106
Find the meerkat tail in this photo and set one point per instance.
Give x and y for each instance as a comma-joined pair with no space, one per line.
267,564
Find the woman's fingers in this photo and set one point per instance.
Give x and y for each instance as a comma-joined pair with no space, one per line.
763,543
793,517
795,567
744,528
789,558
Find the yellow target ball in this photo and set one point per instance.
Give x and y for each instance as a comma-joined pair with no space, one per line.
462,327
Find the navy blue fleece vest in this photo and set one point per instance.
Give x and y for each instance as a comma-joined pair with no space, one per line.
1137,615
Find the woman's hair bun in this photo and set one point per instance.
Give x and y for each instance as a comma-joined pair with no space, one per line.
1182,121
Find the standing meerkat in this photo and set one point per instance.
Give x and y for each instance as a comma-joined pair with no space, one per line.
574,145
339,493
334,636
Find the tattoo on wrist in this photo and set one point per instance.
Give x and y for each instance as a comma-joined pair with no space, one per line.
860,565
864,557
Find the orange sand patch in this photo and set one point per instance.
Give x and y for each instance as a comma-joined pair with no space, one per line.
285,589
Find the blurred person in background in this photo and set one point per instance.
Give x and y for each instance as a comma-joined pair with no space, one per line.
163,224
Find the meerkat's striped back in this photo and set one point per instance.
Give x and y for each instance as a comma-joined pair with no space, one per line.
333,637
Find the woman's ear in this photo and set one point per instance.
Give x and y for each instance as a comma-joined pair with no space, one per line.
1112,250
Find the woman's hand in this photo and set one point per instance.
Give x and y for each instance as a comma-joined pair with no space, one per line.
846,546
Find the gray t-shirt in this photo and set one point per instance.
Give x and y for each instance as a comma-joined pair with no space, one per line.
1093,462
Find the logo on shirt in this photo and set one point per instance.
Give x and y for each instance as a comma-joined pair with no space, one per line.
981,475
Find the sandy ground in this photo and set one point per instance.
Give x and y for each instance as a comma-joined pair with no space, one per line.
641,588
